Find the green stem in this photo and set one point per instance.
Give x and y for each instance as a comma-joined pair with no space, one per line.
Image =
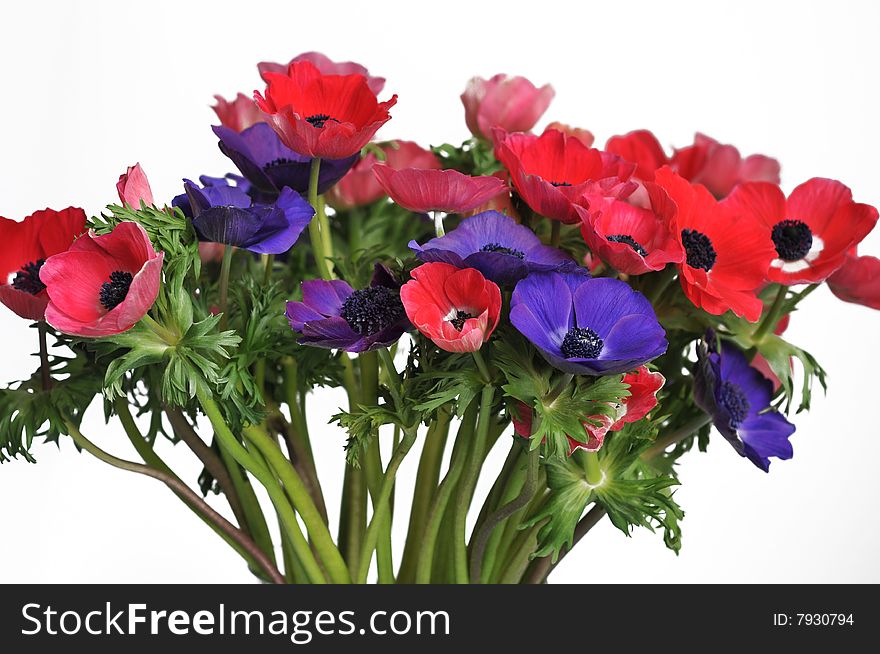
513,487
241,543
468,484
425,561
520,501
482,367
771,318
382,510
285,511
521,549
592,468
427,477
225,268
558,388
540,569
299,495
369,364
664,280
353,507
315,225
555,233
184,431
268,261
160,330
674,437
393,377
45,379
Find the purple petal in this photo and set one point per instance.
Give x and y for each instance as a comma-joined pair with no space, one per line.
331,333
600,303
298,313
326,297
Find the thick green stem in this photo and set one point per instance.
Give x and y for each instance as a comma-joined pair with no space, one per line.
268,262
540,569
240,542
315,226
469,483
482,367
772,316
369,364
427,477
439,229
592,469
299,495
225,267
520,501
285,511
382,510
460,451
353,508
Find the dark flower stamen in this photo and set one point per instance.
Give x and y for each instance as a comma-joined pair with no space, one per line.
281,161
792,238
700,253
560,184
581,343
460,318
370,310
497,247
732,398
114,291
629,240
318,120
28,278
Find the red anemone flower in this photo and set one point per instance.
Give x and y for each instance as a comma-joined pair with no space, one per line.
858,281
450,191
720,167
644,385
24,248
812,230
632,239
727,255
238,114
643,149
551,171
102,285
456,308
322,116
360,187
327,66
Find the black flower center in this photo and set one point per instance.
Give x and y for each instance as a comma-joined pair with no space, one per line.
581,343
370,310
792,238
460,318
114,291
733,399
497,247
28,278
318,120
700,253
630,241
560,184
280,161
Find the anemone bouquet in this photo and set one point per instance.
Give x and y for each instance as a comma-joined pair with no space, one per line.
595,313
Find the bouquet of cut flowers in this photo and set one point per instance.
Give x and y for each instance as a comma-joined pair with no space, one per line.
593,312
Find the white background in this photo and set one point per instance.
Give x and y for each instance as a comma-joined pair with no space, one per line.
88,88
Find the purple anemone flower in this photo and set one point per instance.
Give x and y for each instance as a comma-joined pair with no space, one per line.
737,397
236,181
496,245
586,326
226,214
334,315
269,165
